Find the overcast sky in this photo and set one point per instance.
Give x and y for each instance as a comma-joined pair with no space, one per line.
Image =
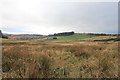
49,17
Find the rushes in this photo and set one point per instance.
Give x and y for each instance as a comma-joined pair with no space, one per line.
24,64
89,60
44,64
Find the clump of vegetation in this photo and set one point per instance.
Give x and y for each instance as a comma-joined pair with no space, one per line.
21,64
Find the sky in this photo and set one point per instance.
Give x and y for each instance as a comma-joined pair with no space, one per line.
50,16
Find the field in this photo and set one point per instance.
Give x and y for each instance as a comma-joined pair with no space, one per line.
71,38
67,57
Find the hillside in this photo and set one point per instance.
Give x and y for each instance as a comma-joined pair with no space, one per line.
75,37
24,36
78,37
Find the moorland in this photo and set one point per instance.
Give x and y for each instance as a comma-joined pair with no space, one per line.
74,56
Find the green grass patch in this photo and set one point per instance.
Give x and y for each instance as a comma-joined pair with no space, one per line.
74,37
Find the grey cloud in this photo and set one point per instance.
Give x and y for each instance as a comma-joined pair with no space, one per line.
61,16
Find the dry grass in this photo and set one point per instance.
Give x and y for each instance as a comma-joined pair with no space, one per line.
61,60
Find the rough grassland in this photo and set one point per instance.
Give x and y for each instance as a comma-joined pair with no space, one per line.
59,59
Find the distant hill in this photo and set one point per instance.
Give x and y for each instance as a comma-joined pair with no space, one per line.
81,37
21,36
25,36
58,37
